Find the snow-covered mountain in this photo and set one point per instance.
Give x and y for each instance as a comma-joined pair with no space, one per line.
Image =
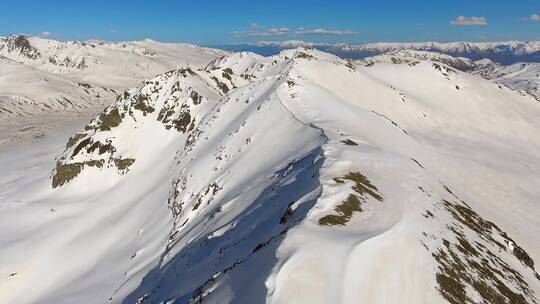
59,75
502,52
25,90
524,76
296,178
414,57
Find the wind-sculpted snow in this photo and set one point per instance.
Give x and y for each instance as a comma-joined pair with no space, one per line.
296,178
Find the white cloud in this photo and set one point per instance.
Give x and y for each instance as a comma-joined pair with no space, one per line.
280,30
256,30
113,30
45,34
534,17
287,43
322,31
473,20
262,32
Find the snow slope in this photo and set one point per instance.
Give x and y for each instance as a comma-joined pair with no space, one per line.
297,178
25,90
104,63
60,75
523,76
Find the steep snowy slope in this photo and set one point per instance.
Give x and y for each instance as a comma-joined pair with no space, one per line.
72,74
298,178
26,90
522,77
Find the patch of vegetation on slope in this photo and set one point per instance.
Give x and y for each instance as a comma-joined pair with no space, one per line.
222,86
74,139
106,121
123,164
349,142
82,151
475,259
207,195
179,119
363,188
141,104
303,55
64,173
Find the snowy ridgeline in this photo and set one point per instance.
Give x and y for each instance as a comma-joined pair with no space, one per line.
296,178
506,52
42,76
86,76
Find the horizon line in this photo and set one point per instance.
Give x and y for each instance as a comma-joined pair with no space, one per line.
266,42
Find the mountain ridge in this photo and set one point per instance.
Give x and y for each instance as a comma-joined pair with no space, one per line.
75,75
507,52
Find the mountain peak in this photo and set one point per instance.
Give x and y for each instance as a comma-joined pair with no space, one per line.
20,45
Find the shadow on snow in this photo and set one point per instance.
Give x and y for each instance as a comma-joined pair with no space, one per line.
238,262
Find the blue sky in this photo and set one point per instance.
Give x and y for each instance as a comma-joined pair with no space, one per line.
224,22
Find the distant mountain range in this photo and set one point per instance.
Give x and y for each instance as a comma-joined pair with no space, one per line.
501,52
